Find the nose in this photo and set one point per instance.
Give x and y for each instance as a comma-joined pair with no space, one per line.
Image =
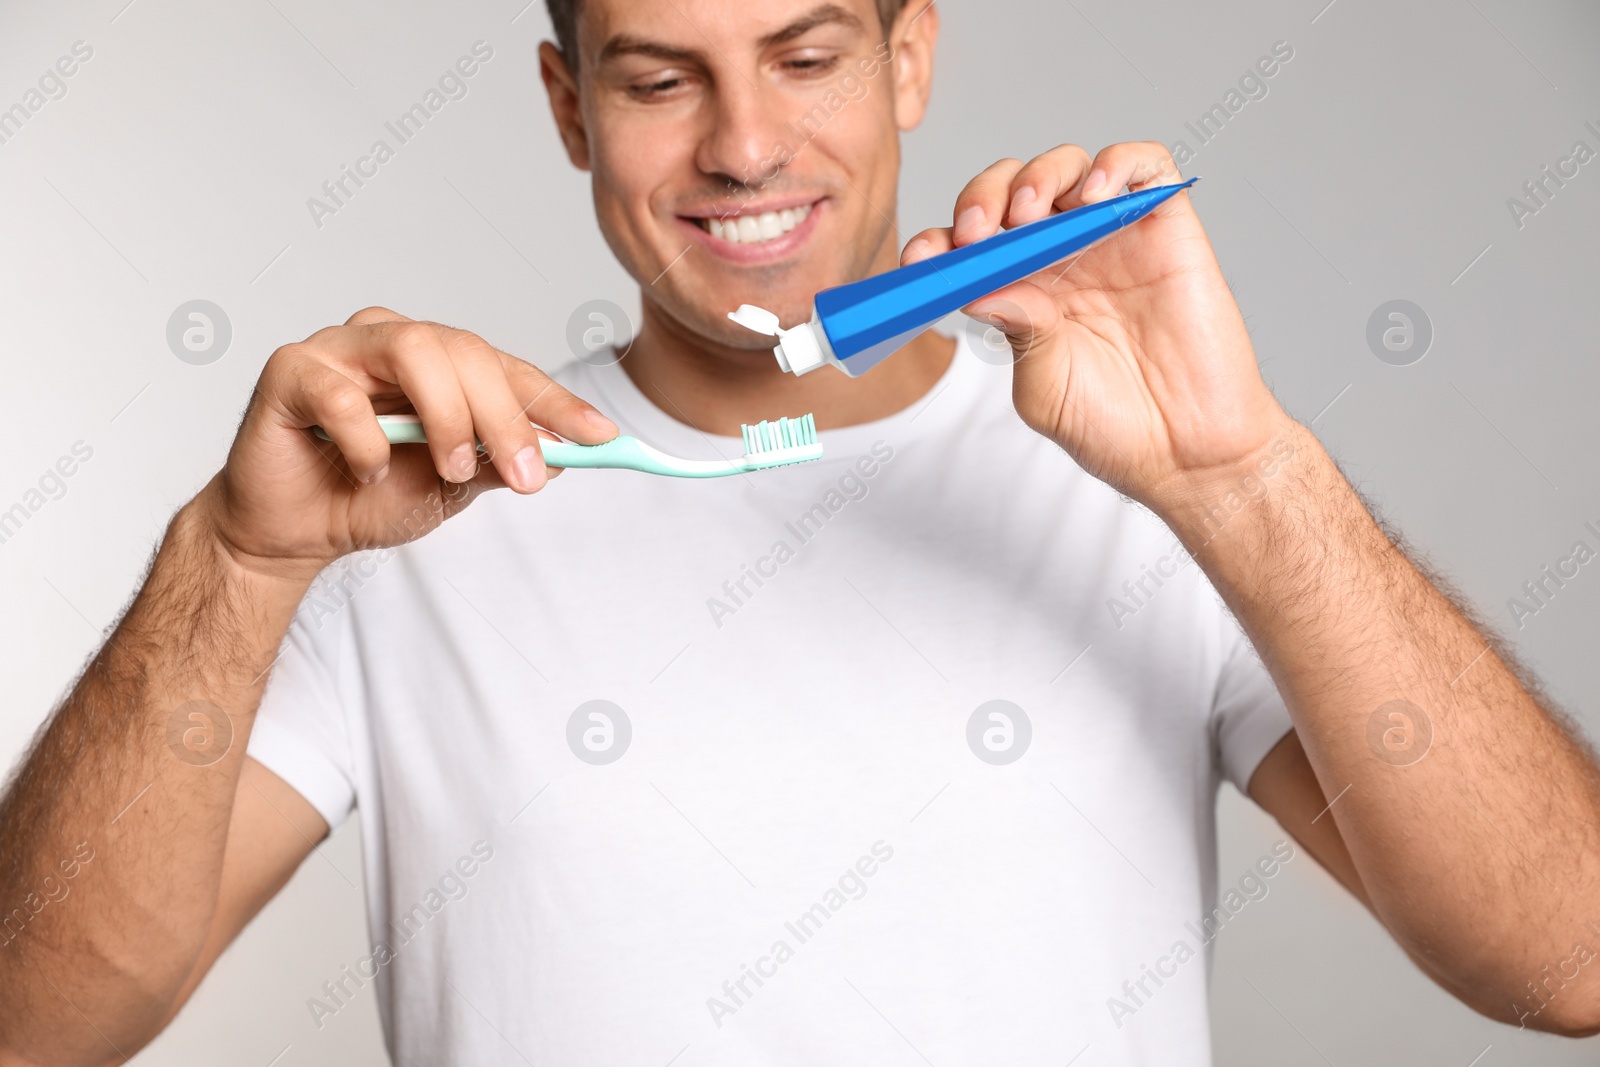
745,140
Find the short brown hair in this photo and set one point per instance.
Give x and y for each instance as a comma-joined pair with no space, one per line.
564,18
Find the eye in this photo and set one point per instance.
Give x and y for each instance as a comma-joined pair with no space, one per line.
812,64
659,88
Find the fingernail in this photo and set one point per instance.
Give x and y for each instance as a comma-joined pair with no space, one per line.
600,422
378,475
969,221
1022,198
463,463
1097,178
527,466
916,251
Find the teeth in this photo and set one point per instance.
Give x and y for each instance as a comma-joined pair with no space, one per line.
754,229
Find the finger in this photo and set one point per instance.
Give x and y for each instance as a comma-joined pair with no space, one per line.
307,392
371,315
414,357
1027,315
455,496
548,404
1047,177
1135,164
546,435
982,204
509,442
929,242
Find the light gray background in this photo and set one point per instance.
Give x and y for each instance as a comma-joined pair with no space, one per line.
1378,167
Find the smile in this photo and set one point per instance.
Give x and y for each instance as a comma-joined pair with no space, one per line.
755,234
756,229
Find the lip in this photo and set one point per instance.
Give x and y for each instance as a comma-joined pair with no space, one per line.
751,254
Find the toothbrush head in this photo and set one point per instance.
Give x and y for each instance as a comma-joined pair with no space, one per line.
778,443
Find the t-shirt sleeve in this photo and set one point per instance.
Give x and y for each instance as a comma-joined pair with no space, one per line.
300,731
1248,714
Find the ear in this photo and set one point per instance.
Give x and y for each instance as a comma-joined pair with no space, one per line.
565,105
912,37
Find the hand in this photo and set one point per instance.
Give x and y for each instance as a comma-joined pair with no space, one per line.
288,503
1132,356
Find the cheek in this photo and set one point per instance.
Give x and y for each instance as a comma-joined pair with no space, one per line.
862,143
631,164
861,140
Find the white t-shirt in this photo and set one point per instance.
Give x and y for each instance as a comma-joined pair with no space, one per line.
796,828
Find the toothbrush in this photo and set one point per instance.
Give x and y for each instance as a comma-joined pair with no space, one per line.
855,326
766,444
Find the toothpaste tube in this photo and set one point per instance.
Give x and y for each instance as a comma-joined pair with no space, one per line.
855,326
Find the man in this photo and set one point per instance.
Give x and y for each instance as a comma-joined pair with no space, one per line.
909,752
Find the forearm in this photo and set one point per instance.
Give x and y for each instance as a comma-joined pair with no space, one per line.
1480,846
137,771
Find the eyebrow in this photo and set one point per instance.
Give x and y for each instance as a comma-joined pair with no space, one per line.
623,44
822,15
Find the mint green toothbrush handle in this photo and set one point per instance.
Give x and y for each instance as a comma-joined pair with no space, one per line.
621,452
614,453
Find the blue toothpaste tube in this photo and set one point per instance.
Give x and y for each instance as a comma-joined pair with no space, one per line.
855,326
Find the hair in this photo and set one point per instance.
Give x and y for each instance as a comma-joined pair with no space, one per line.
564,18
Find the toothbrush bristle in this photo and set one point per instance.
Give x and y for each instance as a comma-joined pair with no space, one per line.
779,435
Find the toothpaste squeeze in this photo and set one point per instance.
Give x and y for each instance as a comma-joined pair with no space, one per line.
855,326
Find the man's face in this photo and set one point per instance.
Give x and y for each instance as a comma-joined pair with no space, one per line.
743,151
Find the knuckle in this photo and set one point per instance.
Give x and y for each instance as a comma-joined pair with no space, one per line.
288,361
568,400
464,345
412,339
997,174
517,367
413,332
284,355
375,313
344,403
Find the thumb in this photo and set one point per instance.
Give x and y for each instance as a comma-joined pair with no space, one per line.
1023,316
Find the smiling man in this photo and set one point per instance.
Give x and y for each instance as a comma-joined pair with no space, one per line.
936,780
